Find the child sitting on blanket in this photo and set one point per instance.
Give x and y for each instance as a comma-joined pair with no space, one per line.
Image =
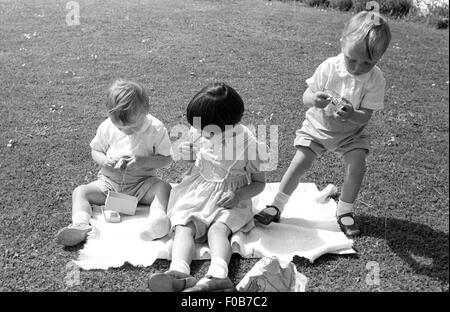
214,199
133,137
336,123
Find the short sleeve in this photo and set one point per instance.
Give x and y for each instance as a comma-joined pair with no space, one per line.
257,157
320,77
374,98
162,142
100,141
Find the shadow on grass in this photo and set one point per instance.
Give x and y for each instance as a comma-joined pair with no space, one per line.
424,249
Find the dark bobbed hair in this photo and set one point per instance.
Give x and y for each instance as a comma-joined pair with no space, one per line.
216,104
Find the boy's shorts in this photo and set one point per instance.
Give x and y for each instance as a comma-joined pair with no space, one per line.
319,145
138,189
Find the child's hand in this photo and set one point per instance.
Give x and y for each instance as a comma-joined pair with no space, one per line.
321,99
228,200
133,162
188,151
345,111
122,163
110,162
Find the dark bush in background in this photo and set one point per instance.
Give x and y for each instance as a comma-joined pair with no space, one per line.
317,3
341,5
438,15
394,8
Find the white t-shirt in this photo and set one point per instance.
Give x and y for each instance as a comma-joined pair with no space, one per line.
152,139
363,91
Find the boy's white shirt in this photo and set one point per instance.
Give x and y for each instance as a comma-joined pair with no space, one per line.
152,139
363,91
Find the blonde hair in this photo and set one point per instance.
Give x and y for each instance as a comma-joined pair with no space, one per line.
370,27
126,99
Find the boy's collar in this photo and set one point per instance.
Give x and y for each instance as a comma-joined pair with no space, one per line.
342,71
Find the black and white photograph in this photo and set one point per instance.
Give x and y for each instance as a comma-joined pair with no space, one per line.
242,147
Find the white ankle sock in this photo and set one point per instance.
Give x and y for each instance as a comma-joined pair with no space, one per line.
180,266
343,207
280,200
218,268
81,218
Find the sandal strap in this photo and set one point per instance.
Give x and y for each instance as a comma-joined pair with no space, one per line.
266,218
348,214
349,230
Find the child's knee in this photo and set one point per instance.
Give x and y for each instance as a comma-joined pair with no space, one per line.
80,191
163,187
186,229
219,228
303,159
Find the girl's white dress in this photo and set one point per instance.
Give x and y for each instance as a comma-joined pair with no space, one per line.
220,167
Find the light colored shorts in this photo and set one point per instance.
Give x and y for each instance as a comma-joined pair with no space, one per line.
138,189
339,145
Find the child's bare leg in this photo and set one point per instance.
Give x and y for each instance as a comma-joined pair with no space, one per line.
82,198
216,278
302,161
183,248
158,223
355,168
220,249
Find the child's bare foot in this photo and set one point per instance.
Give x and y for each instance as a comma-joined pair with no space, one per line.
158,226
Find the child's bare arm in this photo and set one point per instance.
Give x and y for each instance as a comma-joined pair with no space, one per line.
361,116
251,190
101,159
317,99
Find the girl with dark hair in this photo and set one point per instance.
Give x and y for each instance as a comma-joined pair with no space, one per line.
214,200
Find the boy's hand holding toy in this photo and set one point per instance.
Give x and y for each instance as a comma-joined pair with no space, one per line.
345,111
343,107
321,99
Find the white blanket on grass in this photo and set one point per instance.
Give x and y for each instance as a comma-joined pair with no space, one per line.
307,229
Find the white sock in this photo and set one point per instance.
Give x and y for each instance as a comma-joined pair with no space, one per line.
180,266
81,218
218,268
156,213
280,200
343,207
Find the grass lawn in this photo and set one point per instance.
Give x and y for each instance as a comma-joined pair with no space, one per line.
53,80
